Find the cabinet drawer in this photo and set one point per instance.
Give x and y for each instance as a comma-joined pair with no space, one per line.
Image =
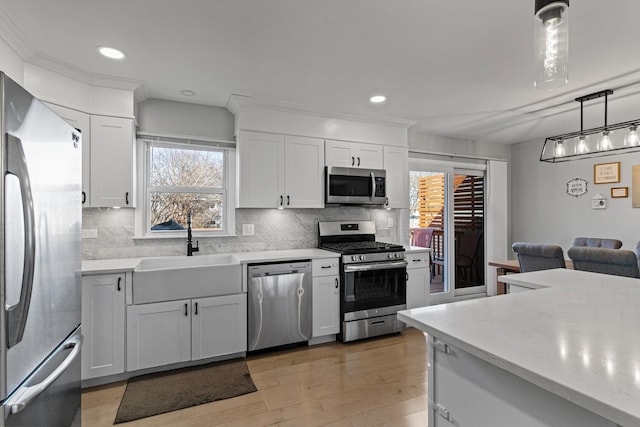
420,260
325,267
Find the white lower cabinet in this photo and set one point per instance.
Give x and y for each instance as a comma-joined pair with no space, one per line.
418,279
218,326
326,305
179,331
103,316
326,297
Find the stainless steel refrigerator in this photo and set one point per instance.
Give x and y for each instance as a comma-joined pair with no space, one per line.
40,263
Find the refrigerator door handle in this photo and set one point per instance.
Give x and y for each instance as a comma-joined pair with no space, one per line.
16,315
27,393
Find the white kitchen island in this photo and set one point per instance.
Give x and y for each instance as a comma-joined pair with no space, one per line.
565,353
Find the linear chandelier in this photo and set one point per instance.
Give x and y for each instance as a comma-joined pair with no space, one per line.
601,141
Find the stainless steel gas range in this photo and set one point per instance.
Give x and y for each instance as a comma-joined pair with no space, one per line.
373,279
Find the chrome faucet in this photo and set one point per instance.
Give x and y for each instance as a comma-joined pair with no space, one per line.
190,248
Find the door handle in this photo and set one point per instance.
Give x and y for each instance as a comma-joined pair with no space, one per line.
27,393
126,198
119,280
196,310
353,161
84,197
186,309
281,200
358,160
16,315
288,201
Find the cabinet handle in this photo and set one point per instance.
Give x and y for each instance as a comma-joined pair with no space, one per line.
119,280
326,266
337,283
407,276
288,201
281,200
358,161
84,197
186,308
126,198
353,161
196,312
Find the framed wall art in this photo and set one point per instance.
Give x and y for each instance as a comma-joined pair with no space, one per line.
606,173
619,192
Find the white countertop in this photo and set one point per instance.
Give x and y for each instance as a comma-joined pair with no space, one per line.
577,334
415,249
100,266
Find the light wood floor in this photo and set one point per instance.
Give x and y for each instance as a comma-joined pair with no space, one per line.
376,382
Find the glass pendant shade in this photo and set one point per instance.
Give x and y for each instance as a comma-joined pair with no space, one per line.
582,145
606,141
560,149
551,44
632,139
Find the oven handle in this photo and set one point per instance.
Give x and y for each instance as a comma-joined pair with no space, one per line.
376,266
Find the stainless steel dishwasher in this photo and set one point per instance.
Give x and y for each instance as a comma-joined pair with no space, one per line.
279,304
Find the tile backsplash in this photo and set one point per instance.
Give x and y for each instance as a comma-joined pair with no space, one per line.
274,229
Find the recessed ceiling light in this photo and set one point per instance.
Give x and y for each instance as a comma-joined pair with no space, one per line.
111,52
187,92
377,99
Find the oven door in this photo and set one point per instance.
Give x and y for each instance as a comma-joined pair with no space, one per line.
367,286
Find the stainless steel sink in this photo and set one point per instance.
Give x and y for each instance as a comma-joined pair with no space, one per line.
181,277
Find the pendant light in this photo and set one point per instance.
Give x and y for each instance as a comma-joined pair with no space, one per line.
575,145
551,43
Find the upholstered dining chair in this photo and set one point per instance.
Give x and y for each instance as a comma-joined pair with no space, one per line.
422,237
535,256
595,242
619,262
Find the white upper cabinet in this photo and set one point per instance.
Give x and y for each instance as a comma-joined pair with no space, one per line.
353,154
81,121
396,163
279,171
112,162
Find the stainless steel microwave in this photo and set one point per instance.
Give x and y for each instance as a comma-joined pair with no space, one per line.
355,186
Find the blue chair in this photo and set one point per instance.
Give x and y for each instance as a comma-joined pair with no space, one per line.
618,262
594,242
534,256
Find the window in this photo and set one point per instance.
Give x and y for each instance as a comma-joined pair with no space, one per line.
183,177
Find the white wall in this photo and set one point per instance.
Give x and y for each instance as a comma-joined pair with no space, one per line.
542,212
455,146
10,63
170,118
52,87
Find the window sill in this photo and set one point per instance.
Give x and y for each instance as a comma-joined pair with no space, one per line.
184,237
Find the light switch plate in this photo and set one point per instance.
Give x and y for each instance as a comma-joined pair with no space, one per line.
248,229
390,222
89,233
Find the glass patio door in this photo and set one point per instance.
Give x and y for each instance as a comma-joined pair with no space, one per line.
447,215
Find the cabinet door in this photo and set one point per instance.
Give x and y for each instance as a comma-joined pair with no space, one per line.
368,156
219,326
112,162
304,171
103,325
326,305
338,153
396,163
260,170
418,279
158,334
82,121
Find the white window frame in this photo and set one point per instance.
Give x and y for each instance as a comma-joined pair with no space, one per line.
142,225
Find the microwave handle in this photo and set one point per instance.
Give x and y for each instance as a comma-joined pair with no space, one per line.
373,185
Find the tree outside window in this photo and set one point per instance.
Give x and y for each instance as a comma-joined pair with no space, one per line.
185,178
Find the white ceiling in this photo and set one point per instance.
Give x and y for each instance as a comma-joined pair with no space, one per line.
458,68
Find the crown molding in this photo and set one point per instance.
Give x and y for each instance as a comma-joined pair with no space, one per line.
237,102
95,79
13,37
